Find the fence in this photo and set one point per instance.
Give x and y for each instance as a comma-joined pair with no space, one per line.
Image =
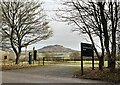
41,61
45,60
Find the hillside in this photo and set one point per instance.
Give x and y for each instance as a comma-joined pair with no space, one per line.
55,48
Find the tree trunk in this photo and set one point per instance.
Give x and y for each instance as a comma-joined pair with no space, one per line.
99,57
105,31
101,62
112,65
109,62
17,58
114,20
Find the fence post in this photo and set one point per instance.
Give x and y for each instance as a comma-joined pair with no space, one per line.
43,60
30,58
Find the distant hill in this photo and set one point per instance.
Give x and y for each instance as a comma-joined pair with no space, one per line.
55,48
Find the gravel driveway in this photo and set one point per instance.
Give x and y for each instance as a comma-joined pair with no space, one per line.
43,74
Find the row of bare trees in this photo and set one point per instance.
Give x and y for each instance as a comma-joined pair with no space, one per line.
96,19
23,24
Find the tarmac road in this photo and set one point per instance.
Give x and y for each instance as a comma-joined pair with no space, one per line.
43,74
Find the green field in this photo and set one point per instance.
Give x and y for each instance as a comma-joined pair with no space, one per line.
85,63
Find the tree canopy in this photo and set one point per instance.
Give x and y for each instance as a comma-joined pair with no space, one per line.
23,24
96,19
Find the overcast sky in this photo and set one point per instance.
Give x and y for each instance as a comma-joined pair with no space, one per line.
62,34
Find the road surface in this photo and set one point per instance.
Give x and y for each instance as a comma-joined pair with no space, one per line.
44,74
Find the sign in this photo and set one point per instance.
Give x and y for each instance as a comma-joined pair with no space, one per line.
86,49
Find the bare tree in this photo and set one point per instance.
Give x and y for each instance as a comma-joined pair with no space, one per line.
85,17
95,19
110,25
23,23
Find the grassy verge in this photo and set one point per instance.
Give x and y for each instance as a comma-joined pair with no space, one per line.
96,74
18,66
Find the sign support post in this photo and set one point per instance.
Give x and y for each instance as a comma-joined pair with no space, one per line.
81,65
93,61
81,59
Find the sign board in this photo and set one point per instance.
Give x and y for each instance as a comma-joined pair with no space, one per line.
86,49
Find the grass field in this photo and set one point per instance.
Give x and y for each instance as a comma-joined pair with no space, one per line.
57,62
9,64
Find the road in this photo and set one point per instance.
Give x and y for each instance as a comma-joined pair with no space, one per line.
43,74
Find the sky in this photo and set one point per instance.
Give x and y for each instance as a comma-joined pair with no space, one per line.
62,34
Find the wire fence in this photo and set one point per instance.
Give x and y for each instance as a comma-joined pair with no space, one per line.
54,60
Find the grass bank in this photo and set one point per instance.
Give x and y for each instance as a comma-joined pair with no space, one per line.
96,74
18,66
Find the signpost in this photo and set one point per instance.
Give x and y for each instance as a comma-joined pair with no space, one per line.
86,50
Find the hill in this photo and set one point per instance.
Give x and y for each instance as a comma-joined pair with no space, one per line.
56,49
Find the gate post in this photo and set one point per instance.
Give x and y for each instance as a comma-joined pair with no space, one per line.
30,58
